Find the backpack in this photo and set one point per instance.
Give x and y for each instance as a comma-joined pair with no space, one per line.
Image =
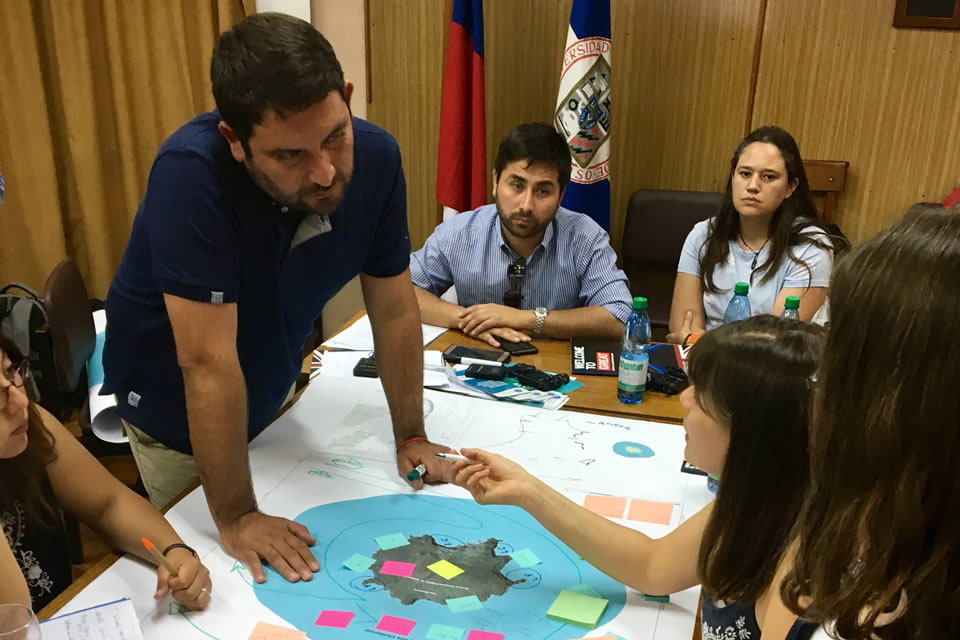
23,319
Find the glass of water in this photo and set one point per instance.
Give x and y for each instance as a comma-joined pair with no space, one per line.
17,622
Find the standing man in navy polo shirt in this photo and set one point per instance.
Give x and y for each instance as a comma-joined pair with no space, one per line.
255,215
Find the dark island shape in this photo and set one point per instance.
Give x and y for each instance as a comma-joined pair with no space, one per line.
481,575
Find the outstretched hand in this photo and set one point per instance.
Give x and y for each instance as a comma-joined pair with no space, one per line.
494,479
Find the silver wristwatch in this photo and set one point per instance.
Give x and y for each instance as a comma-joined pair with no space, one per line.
541,313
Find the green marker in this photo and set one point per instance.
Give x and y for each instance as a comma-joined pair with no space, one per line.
418,472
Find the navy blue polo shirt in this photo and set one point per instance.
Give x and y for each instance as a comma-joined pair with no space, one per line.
206,232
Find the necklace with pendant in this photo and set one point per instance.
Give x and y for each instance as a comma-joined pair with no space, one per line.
756,254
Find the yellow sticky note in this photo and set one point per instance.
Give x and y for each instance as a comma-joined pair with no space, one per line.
444,569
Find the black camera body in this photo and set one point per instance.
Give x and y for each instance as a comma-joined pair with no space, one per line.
528,375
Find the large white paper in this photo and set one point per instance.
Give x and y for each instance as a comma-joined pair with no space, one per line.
334,445
359,336
340,364
115,620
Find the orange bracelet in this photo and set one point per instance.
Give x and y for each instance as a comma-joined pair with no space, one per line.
409,440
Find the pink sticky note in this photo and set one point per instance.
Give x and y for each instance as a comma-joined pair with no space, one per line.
336,619
394,568
399,626
647,511
484,635
606,506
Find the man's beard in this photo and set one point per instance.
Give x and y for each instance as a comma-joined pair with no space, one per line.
507,221
301,200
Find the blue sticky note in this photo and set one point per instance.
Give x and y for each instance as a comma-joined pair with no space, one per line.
358,563
444,632
392,541
466,603
525,558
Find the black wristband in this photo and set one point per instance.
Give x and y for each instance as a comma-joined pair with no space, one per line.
178,545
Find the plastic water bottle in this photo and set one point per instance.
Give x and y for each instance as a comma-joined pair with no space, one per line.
739,307
791,308
632,382
712,483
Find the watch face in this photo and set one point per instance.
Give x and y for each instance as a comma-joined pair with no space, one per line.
541,311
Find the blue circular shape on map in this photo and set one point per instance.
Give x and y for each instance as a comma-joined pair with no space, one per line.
357,583
633,450
504,549
351,526
448,541
528,578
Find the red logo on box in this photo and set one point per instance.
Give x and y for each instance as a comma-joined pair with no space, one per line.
604,361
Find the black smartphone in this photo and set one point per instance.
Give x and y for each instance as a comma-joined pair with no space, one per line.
518,348
366,368
486,372
455,352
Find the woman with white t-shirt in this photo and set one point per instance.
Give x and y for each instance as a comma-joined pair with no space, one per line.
767,233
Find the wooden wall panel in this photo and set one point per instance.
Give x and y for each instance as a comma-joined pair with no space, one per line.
681,83
849,86
523,49
406,75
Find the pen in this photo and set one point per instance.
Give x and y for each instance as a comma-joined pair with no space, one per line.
492,363
162,561
418,472
453,457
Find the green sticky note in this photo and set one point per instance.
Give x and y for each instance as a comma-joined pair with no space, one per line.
585,589
525,558
444,632
466,603
575,608
358,563
649,598
392,541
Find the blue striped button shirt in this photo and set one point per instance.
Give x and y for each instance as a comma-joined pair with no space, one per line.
573,266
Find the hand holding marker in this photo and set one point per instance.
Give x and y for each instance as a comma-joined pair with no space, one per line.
418,472
421,470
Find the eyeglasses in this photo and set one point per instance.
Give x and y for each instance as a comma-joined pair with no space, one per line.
16,376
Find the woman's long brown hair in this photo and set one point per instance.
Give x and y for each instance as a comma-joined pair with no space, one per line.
787,225
752,377
23,477
880,527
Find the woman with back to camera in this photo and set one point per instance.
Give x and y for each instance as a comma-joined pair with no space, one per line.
767,233
878,551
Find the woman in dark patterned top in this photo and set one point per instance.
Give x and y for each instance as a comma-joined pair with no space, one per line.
745,414
43,469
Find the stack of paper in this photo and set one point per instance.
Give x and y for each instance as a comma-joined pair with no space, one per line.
115,620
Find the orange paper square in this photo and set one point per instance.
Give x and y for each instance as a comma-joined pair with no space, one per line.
653,512
606,506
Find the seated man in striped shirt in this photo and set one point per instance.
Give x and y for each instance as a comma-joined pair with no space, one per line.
524,265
